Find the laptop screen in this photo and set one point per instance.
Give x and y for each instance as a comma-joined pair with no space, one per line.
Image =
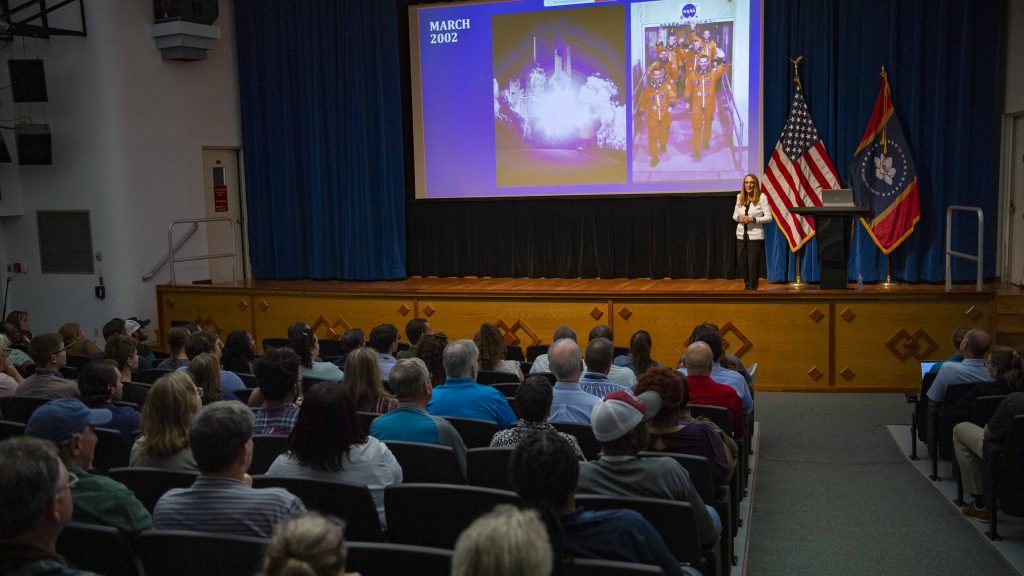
840,197
926,365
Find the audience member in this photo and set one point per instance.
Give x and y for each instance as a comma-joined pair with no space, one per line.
410,422
544,474
363,382
668,433
171,404
541,363
958,338
639,359
969,438
295,327
21,335
277,375
972,368
307,545
222,498
35,495
328,443
431,351
598,361
99,386
114,327
138,329
504,542
75,341
350,340
9,376
704,390
709,334
533,397
620,425
415,329
492,351
121,350
617,374
205,371
68,423
239,352
461,396
177,338
570,402
16,357
307,346
205,342
384,340
1001,366
47,351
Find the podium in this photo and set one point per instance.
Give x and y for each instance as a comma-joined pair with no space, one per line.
832,228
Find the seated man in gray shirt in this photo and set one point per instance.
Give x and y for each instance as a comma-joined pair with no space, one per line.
222,499
620,421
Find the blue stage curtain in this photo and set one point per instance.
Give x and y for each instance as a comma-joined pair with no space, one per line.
321,103
944,61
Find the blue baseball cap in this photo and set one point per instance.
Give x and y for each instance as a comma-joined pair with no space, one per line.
59,420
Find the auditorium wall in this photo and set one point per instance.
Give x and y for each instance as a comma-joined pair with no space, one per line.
1015,57
128,130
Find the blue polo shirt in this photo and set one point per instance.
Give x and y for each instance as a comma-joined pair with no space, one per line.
464,398
410,423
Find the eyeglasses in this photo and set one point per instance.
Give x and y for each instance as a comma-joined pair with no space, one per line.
199,391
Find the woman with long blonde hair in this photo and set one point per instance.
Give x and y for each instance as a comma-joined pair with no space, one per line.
170,406
362,379
751,214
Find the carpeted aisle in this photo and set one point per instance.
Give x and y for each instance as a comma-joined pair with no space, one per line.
834,496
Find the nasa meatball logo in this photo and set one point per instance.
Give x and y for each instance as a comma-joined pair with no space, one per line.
883,170
689,11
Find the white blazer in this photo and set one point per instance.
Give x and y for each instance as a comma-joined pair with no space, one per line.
761,214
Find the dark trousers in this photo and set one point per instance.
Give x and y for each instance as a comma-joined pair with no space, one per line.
749,254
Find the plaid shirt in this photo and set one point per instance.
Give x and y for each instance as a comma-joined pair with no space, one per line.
511,437
277,419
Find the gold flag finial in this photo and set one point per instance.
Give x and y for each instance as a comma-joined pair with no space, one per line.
796,69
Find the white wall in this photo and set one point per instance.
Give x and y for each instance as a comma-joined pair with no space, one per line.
128,130
1015,57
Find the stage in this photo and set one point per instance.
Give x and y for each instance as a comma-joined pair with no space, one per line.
802,339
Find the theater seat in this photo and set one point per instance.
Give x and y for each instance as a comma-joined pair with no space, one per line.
179,552
435,514
380,559
99,549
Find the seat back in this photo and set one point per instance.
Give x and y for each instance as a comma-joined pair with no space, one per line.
99,549
1007,485
496,377
68,372
149,484
275,343
366,420
177,552
330,347
984,408
674,520
921,409
427,463
475,433
265,449
11,429
135,392
594,567
150,375
507,388
435,514
350,502
77,362
716,414
584,435
946,419
248,379
697,467
489,467
620,351
533,351
380,559
19,409
514,353
111,450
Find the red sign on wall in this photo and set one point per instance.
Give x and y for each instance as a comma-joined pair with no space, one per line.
220,198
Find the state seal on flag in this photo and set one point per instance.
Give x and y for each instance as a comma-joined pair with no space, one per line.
884,169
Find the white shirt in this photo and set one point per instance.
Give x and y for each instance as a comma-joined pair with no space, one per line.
761,214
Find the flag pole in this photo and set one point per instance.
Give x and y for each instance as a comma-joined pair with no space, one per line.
888,284
799,281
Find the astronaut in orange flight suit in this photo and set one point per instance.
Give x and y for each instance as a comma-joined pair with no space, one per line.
665,60
702,96
655,101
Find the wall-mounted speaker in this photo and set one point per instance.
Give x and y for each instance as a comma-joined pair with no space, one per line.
28,80
35,146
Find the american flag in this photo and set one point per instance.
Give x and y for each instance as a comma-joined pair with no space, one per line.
797,172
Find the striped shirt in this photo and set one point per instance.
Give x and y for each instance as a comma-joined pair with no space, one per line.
276,418
599,385
225,506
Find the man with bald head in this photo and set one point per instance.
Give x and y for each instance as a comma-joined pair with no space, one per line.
703,390
570,402
972,368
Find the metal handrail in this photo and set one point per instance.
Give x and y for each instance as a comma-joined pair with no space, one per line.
737,121
196,222
949,240
177,247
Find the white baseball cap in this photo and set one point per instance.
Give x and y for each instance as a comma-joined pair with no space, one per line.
620,411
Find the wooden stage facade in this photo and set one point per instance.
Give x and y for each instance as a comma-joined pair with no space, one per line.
802,339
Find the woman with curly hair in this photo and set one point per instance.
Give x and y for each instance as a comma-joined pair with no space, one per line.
431,351
492,351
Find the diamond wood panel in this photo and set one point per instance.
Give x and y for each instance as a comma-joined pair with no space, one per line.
847,374
847,315
973,313
815,374
918,345
815,315
729,329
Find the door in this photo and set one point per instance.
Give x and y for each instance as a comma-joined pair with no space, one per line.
1016,212
223,190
